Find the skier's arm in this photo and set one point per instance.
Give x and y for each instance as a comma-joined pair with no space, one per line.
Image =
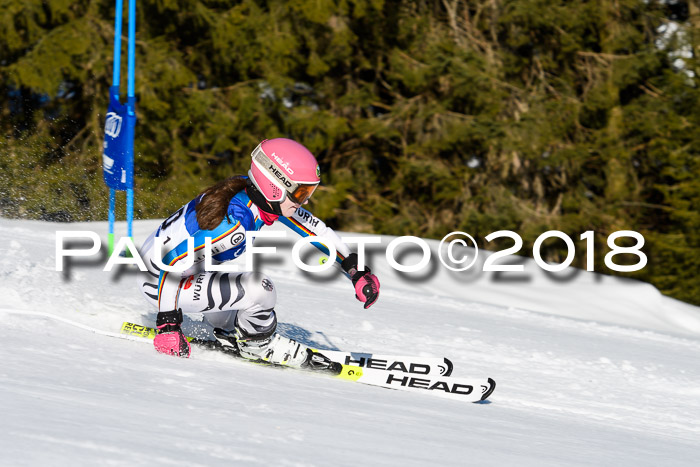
365,283
306,224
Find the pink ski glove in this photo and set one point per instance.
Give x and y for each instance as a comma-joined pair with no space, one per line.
170,340
366,284
367,288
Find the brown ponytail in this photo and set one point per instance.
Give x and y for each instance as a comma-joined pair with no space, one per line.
212,209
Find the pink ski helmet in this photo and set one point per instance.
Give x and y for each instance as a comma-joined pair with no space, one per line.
282,167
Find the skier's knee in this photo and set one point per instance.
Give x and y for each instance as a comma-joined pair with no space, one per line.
256,299
256,325
256,291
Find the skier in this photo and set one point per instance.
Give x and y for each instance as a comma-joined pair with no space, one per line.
240,305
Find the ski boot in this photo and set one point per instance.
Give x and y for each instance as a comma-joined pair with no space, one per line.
275,350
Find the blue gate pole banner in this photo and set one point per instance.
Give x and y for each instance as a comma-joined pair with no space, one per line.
118,146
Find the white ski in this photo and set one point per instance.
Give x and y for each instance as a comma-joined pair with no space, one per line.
462,389
419,366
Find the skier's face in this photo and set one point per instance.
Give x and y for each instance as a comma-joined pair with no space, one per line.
288,206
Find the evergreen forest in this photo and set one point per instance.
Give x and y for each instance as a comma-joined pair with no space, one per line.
426,116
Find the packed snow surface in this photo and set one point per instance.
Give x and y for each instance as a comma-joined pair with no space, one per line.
591,370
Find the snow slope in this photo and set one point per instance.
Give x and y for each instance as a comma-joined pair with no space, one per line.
591,370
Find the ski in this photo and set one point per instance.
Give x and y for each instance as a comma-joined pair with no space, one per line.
414,365
415,374
420,366
462,389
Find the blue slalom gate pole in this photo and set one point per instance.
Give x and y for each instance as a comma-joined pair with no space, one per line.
131,106
118,154
112,205
116,66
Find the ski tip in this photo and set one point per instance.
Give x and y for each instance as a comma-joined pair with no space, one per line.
446,370
487,392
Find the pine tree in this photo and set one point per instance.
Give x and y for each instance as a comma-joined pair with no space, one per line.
427,116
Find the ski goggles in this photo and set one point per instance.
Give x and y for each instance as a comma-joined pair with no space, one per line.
303,192
298,191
